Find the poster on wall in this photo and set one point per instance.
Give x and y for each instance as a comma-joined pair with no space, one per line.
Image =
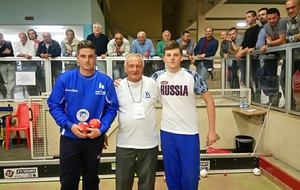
20,173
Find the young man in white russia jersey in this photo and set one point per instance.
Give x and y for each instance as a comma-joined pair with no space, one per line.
180,143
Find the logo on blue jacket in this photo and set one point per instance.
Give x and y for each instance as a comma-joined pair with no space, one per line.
82,115
101,90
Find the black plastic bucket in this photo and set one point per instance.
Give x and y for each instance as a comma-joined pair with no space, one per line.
244,143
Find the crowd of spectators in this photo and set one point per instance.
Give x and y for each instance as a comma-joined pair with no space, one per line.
271,31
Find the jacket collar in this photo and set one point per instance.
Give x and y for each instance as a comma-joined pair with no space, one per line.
44,43
74,41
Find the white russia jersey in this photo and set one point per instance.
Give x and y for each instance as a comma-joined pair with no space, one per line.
178,98
137,133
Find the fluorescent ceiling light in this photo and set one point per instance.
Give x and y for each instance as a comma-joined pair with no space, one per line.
241,24
49,28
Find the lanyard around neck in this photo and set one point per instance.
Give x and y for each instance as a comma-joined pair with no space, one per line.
131,92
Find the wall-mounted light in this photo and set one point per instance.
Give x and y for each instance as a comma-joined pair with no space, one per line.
49,28
241,24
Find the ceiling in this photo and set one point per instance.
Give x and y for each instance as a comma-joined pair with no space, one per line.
227,14
222,16
11,32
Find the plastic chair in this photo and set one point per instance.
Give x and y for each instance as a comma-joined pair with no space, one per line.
23,125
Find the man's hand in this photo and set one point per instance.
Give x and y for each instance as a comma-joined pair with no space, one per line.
192,60
94,133
211,138
297,36
27,56
6,51
68,52
117,82
263,49
105,145
228,39
250,50
118,51
201,55
183,43
238,55
268,42
103,56
225,55
44,55
76,129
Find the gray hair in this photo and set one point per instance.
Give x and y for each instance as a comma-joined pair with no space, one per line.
137,55
97,23
141,32
46,33
165,32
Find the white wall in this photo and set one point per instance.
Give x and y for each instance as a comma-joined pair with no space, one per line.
96,14
45,12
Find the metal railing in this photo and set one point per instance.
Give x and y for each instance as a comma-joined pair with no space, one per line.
288,58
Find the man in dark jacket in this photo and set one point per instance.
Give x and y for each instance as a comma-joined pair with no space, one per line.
206,47
100,40
50,48
7,69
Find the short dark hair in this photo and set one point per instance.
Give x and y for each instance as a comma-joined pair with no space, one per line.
32,31
263,9
273,11
86,44
252,12
232,28
172,44
185,32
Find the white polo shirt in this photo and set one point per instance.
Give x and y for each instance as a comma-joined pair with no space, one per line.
137,133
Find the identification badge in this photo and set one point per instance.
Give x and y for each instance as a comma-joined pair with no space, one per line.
138,111
183,51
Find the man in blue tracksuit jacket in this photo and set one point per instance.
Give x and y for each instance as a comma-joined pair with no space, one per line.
80,95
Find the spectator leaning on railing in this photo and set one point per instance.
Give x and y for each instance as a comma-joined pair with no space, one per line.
7,69
187,46
275,36
100,40
293,35
264,68
206,47
50,48
145,47
249,41
32,35
69,49
160,65
26,48
119,46
235,40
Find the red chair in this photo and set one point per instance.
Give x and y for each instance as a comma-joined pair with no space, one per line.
23,125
